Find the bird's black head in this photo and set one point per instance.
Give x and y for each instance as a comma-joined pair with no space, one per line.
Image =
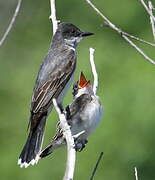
69,30
70,34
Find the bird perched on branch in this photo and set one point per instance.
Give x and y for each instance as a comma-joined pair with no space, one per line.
83,115
54,78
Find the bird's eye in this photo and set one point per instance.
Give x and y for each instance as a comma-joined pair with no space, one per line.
75,86
75,89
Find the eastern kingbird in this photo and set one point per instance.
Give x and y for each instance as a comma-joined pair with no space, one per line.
54,78
83,115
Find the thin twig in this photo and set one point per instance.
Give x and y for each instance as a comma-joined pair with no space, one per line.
96,166
78,134
152,22
139,50
123,34
71,154
129,35
136,174
53,16
95,84
11,22
147,9
138,39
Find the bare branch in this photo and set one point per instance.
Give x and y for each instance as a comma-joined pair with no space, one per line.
136,174
53,16
130,35
11,22
96,166
147,9
95,84
78,134
71,153
138,39
138,49
152,22
123,34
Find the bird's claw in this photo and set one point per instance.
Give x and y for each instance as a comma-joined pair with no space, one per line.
80,145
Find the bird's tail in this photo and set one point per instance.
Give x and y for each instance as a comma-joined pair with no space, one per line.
48,150
32,148
56,143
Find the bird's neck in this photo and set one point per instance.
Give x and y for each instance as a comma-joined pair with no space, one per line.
57,42
70,44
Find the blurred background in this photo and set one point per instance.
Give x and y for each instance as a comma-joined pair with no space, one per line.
126,88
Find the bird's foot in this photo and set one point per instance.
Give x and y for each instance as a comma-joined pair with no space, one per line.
80,145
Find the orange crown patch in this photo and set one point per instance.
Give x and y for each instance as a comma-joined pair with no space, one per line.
82,81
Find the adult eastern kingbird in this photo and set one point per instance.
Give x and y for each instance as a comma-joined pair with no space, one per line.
83,115
54,78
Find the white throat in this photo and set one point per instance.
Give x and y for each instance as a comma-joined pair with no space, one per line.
72,42
84,90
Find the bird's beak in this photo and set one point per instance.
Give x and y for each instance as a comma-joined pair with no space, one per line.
82,81
86,34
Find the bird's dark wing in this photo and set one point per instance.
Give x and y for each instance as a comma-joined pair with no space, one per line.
77,106
53,84
71,111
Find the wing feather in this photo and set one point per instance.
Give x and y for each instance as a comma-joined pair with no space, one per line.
53,85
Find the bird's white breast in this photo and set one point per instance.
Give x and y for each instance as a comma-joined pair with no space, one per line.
90,117
93,114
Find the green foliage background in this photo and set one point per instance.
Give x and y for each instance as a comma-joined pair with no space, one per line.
126,88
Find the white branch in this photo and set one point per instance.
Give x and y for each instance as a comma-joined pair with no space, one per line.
136,174
95,84
151,19
122,33
138,49
147,9
53,16
71,153
137,38
11,22
78,134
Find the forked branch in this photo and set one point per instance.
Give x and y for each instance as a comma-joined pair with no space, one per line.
71,153
152,22
123,34
53,16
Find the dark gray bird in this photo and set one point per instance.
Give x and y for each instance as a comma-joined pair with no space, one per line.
83,114
54,78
